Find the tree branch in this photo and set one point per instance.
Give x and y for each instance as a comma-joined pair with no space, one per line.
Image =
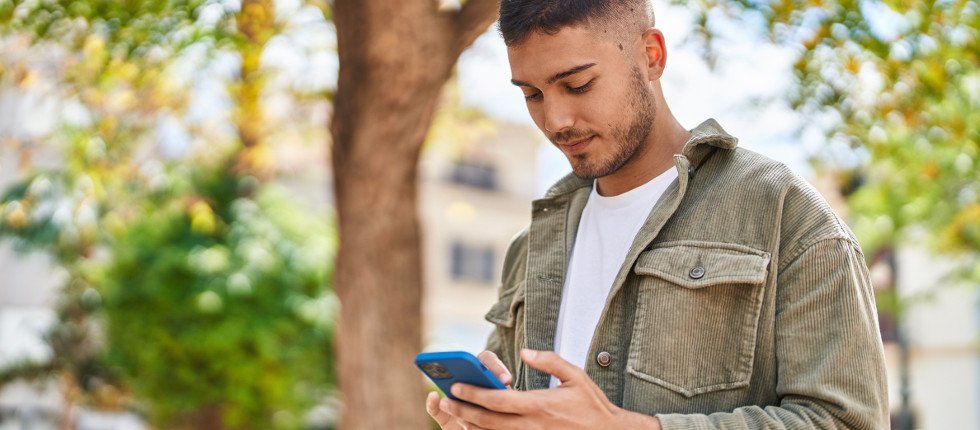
473,18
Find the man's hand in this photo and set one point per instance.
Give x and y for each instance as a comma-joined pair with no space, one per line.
449,422
575,404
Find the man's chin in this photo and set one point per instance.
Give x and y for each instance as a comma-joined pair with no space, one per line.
585,172
584,169
586,176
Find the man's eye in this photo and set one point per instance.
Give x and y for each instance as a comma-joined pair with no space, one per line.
532,97
583,88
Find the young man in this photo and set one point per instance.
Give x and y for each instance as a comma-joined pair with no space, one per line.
674,280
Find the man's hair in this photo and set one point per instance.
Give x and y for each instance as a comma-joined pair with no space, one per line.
520,18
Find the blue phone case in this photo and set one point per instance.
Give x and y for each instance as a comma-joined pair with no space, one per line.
459,366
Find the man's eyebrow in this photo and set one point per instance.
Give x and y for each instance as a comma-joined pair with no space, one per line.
557,76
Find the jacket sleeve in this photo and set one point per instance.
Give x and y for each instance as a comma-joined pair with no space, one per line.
829,354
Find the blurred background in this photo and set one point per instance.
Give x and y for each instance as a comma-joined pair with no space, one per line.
250,214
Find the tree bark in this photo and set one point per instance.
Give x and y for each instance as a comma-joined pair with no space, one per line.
395,57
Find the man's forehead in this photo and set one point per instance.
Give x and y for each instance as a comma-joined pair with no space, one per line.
542,55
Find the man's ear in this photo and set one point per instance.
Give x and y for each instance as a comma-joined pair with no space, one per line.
655,53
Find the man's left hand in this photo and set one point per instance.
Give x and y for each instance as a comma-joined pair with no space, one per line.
577,403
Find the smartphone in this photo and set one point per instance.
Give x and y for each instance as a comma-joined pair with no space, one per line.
449,367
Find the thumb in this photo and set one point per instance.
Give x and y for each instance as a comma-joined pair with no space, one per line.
552,364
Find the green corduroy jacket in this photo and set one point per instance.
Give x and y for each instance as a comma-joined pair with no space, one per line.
744,302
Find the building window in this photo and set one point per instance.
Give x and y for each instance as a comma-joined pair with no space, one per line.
474,174
472,263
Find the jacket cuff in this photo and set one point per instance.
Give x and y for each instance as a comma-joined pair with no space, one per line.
684,422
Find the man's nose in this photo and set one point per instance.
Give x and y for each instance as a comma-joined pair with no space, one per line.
557,116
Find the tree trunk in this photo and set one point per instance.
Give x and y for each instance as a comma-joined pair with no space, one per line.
395,57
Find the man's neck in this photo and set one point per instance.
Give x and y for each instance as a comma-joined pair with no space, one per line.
667,138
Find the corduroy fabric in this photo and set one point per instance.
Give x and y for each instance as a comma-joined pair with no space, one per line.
744,302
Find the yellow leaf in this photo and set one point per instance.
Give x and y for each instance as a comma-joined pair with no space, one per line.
28,79
202,218
17,218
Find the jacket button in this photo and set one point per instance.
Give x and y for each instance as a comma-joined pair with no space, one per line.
690,172
604,358
697,272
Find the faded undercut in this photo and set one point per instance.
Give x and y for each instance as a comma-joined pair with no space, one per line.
615,18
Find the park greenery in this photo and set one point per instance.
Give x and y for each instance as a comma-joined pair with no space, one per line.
198,292
195,287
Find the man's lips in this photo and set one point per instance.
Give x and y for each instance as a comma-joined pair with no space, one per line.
577,145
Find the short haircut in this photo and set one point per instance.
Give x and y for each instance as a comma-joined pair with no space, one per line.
520,18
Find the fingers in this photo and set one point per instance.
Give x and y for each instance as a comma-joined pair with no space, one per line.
490,359
432,407
469,426
552,364
475,417
505,401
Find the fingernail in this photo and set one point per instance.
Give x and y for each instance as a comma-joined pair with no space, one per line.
455,389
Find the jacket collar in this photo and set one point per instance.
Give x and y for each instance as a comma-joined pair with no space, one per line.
708,133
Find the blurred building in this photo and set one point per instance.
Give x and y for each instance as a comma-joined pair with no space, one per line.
473,202
941,345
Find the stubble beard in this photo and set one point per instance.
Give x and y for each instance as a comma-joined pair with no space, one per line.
628,138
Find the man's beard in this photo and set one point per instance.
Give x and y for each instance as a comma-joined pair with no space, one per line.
628,139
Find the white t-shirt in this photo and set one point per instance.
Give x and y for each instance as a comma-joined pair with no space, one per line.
605,234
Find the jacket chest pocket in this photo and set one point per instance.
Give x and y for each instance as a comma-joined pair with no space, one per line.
697,315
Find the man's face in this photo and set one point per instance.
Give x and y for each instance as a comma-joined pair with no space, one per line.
592,101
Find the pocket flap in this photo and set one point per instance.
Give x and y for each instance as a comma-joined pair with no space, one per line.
503,312
702,264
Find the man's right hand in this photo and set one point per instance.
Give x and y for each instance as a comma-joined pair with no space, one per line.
449,422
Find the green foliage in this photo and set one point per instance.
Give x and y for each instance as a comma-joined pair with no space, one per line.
193,286
55,213
131,28
34,212
896,87
216,300
209,297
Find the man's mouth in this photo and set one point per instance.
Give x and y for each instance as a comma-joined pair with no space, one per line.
577,145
